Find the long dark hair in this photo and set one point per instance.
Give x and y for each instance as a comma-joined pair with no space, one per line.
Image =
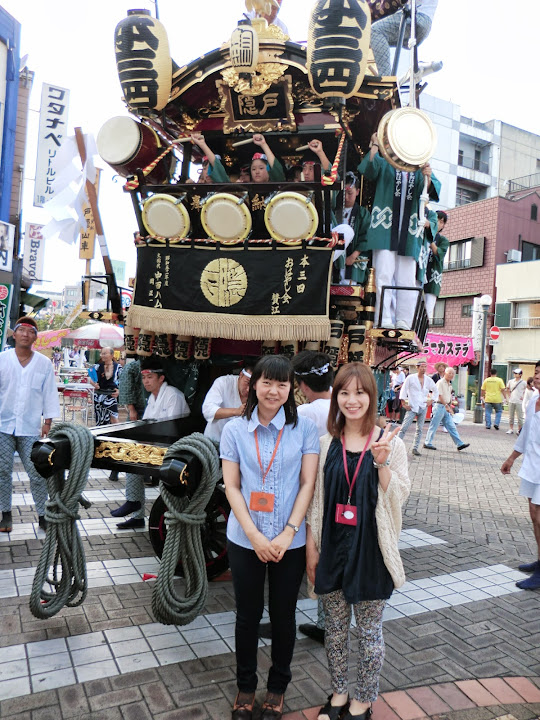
273,367
365,378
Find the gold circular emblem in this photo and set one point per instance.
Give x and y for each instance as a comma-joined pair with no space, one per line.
224,282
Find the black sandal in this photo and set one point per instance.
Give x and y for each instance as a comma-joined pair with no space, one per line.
364,716
334,712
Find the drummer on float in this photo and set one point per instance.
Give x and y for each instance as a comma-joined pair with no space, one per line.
265,167
393,234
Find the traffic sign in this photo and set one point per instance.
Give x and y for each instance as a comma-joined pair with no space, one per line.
493,342
494,333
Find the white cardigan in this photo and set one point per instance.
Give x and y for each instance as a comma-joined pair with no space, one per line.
387,511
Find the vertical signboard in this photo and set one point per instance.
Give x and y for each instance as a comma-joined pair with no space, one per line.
477,324
7,237
34,252
53,130
5,307
88,235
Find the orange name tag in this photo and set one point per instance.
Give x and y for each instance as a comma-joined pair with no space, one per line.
261,501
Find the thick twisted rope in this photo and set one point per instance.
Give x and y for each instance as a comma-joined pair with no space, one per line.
331,179
134,184
63,548
183,542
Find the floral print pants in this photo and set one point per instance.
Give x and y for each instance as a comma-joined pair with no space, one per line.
368,614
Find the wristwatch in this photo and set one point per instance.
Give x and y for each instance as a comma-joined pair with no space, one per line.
381,465
294,527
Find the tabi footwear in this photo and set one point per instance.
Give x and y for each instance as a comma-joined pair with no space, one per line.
531,583
131,524
529,567
6,524
130,506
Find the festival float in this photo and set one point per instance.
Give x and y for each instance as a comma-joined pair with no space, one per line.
228,269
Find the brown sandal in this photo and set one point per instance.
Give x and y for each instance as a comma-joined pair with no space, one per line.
272,708
243,706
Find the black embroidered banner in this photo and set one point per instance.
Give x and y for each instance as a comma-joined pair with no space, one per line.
241,294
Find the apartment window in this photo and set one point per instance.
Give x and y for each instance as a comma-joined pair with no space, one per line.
458,255
534,212
464,196
438,313
526,315
466,311
529,251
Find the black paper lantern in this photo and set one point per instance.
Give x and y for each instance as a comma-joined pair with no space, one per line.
338,46
143,61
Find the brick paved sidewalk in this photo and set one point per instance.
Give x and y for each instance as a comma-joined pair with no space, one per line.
474,660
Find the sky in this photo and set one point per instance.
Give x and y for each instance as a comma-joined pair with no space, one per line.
487,47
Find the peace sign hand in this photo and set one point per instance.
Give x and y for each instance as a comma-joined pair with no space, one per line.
380,449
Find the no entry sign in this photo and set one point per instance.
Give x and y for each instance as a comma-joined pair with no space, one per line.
494,333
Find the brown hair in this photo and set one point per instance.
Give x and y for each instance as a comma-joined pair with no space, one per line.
366,380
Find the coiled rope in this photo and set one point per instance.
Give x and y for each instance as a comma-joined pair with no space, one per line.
63,548
183,542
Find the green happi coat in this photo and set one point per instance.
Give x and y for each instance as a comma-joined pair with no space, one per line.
435,264
359,243
427,238
218,174
382,216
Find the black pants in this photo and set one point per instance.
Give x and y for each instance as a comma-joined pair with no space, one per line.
284,579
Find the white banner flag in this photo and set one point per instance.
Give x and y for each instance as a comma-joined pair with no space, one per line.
7,237
34,251
53,130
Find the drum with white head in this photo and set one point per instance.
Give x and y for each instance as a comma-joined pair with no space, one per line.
127,145
226,218
291,216
165,217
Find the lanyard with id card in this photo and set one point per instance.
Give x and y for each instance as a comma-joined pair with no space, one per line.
346,514
263,501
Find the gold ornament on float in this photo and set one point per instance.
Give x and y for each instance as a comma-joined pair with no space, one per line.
244,48
224,282
143,60
338,47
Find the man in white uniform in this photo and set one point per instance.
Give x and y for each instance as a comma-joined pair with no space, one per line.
164,403
27,393
516,387
226,399
417,392
528,444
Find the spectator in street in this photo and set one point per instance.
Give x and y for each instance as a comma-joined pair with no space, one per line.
165,402
527,397
226,399
493,391
56,358
131,392
528,444
396,384
27,394
269,459
516,388
354,522
106,388
417,394
443,413
385,32
440,367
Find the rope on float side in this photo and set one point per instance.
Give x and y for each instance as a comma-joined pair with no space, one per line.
183,542
63,554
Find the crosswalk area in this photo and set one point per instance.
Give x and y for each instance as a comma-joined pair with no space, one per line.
61,661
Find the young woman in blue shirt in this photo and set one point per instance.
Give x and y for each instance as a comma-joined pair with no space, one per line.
270,460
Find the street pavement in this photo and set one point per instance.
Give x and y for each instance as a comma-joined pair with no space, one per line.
462,642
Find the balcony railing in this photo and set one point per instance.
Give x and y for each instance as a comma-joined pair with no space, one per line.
457,264
473,164
526,322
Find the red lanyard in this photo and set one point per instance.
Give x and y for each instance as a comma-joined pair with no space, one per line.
359,463
265,472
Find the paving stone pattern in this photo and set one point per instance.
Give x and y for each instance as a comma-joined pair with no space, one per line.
432,657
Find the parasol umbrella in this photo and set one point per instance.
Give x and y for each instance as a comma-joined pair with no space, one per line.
98,335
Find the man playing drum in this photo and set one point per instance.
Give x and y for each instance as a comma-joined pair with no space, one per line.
393,234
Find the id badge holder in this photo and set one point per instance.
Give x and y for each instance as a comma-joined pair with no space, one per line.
345,514
261,501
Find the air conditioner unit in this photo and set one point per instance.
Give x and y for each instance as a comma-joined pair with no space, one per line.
513,256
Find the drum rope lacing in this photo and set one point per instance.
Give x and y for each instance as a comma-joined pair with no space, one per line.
63,549
331,179
183,541
140,240
134,184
